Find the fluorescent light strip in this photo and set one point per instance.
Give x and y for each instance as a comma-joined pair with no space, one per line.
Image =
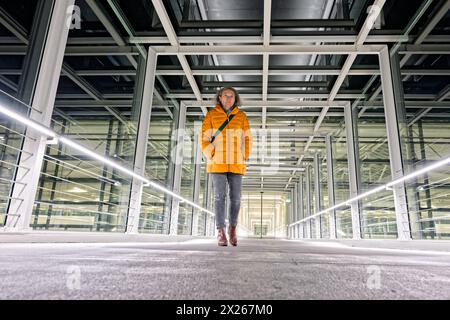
48,132
129,172
28,122
377,189
420,172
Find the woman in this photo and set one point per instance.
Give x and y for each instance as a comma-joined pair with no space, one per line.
226,143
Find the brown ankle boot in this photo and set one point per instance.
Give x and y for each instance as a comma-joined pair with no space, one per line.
232,234
222,238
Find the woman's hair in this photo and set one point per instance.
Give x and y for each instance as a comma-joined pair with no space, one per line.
237,98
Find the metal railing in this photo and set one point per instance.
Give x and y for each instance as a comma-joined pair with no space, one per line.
378,216
74,192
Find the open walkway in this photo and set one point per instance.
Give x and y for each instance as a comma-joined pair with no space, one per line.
56,265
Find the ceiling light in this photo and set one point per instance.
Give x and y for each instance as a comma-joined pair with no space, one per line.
26,121
420,172
77,190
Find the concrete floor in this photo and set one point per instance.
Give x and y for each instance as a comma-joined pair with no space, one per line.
66,266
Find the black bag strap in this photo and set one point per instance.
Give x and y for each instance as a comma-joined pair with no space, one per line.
222,127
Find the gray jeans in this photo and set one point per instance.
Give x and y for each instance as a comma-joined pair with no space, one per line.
220,181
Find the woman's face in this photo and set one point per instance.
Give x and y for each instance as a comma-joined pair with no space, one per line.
227,98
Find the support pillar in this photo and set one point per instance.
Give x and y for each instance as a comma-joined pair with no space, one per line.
295,207
142,103
308,201
197,184
178,158
394,114
331,194
318,220
209,219
38,86
301,206
352,170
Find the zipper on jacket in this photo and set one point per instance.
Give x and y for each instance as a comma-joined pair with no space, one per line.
228,156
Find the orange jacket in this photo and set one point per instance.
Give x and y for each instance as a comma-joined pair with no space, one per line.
231,148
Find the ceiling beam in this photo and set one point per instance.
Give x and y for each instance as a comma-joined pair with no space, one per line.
285,23
13,26
120,15
171,34
364,32
204,15
443,95
313,95
74,51
430,26
22,35
309,37
424,49
243,71
420,38
273,103
271,49
101,14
